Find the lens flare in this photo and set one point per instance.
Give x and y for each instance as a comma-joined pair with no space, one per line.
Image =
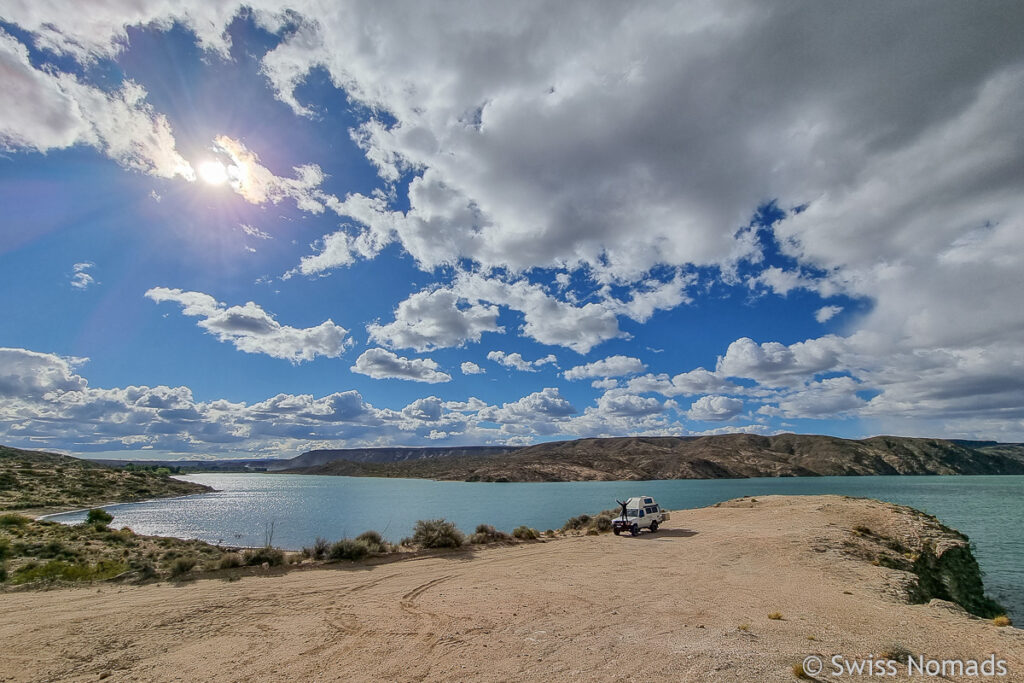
213,172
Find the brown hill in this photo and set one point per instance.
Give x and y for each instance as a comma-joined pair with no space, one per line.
708,457
35,479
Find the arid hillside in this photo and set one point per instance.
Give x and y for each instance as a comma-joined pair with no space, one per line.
710,457
37,480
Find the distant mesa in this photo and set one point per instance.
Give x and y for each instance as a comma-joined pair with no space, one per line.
646,458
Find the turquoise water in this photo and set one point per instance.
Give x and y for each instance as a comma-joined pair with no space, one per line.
989,509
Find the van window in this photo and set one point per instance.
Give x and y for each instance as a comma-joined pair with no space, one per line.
632,512
641,513
648,501
651,510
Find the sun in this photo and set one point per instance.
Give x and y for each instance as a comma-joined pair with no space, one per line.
213,172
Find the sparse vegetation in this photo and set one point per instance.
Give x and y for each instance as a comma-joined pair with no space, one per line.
99,516
1002,620
798,671
577,523
743,627
182,566
265,555
349,549
374,541
485,533
230,561
897,653
34,479
318,550
525,533
437,533
775,616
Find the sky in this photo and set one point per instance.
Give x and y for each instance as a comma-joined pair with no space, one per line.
251,230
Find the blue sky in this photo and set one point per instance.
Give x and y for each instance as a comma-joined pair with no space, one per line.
256,230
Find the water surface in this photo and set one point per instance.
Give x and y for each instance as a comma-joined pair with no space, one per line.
298,508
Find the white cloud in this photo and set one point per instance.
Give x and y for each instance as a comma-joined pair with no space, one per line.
81,278
826,313
434,319
832,398
253,330
775,364
620,403
52,110
259,185
253,231
540,409
605,384
471,368
517,362
612,366
383,364
692,383
715,408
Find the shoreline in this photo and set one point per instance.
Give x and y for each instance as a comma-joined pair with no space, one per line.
698,599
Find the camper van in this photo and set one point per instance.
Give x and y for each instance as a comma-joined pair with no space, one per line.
641,512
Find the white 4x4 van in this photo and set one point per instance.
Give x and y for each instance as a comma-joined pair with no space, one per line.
638,513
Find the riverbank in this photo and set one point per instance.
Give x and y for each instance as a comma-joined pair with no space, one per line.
696,601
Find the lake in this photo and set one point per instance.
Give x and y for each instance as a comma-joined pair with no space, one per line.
298,508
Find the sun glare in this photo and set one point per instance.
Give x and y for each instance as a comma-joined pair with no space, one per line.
213,172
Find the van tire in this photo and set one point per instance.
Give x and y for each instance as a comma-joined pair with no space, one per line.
635,530
615,530
654,526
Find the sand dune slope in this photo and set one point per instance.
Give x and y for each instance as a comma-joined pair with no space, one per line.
688,603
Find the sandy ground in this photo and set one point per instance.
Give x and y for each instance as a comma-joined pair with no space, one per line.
690,603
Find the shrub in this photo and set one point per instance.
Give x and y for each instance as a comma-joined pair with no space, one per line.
5,549
348,549
182,566
603,523
798,671
437,533
525,533
99,516
56,550
1002,620
374,541
897,653
775,616
576,523
593,532
319,549
485,533
58,570
550,533
270,555
230,561
11,519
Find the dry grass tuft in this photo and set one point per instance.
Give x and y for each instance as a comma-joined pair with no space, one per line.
1002,620
775,616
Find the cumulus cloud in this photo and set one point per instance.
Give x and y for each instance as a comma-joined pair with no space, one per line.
826,313
775,364
471,368
897,138
619,403
691,383
540,409
47,109
517,362
257,184
715,408
80,277
253,330
383,364
612,366
434,319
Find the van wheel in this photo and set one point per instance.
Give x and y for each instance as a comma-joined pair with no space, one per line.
615,531
654,527
635,530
